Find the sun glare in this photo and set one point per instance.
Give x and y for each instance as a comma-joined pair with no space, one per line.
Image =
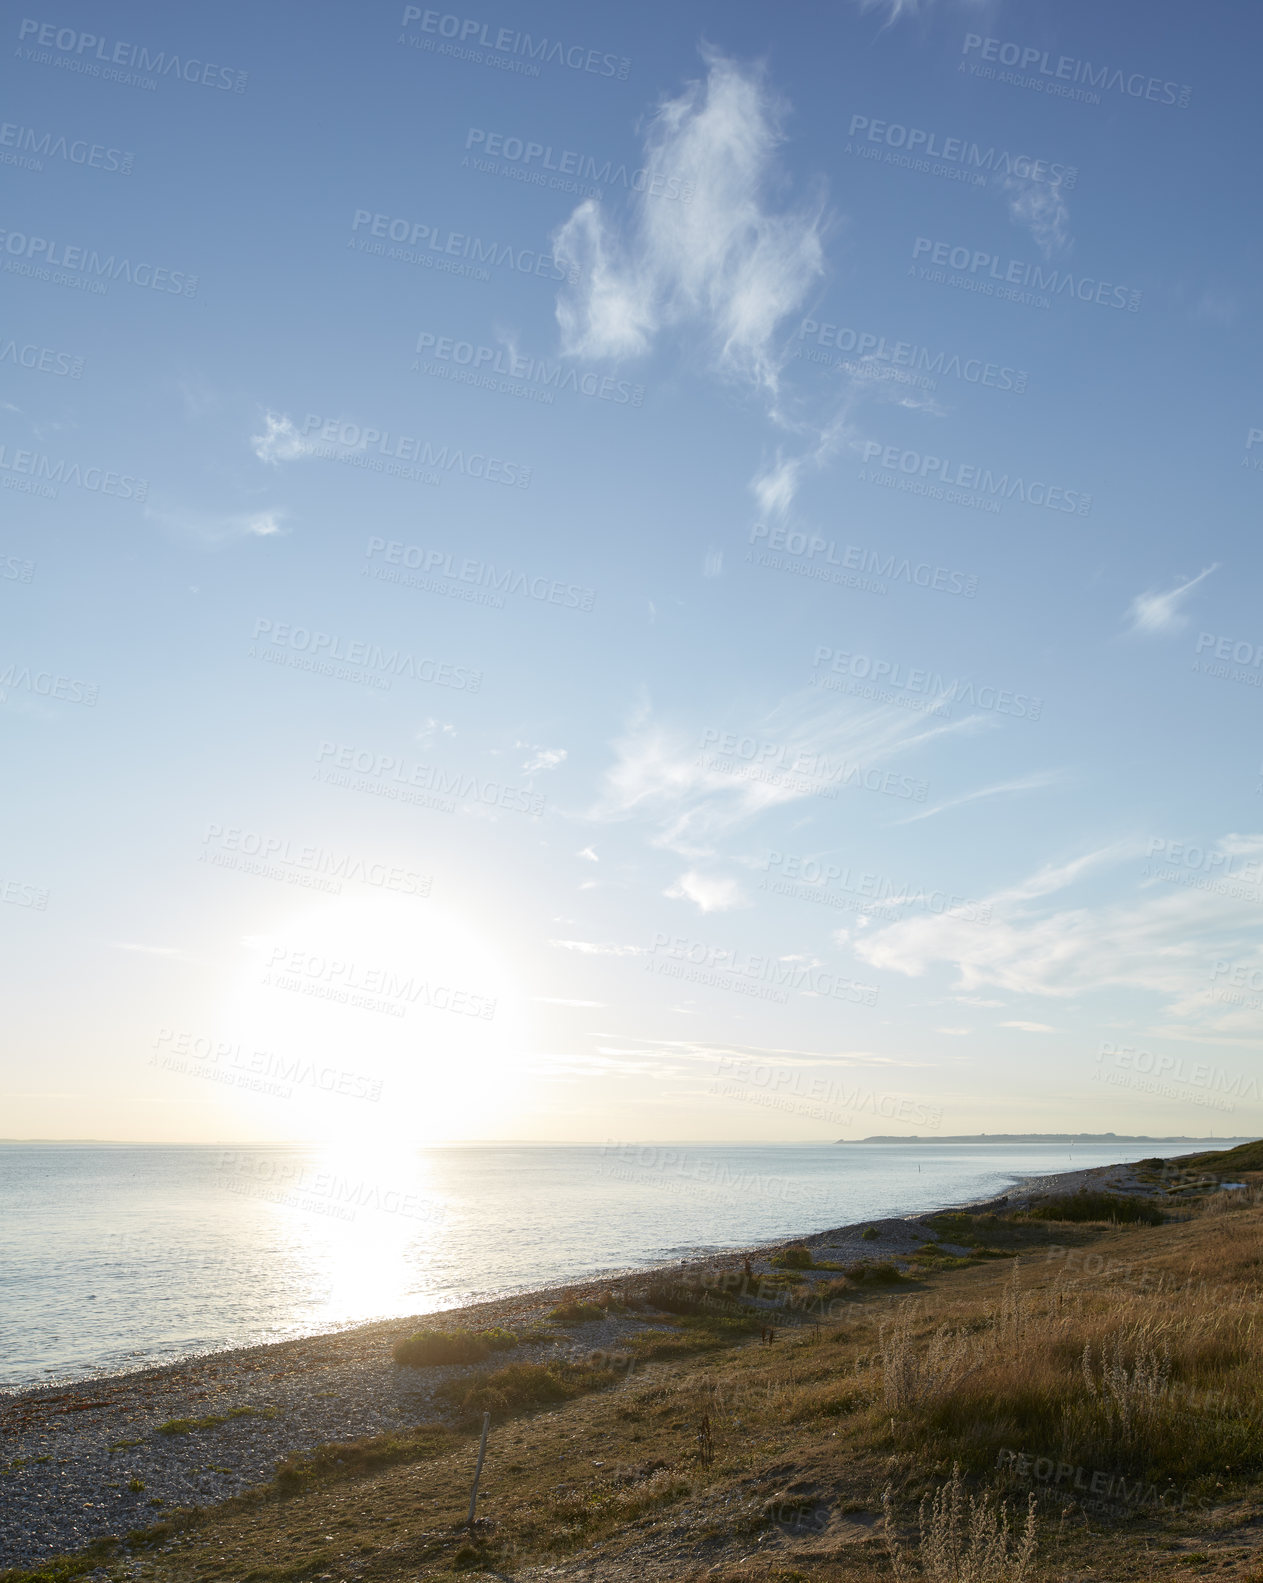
392,1023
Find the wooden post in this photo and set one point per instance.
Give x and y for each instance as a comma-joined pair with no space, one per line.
482,1451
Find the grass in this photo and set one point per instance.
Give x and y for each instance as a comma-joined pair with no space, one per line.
187,1426
1085,1206
575,1312
429,1348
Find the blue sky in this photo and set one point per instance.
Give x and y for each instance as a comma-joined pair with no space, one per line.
680,573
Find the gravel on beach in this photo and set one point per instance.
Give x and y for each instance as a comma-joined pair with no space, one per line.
85,1460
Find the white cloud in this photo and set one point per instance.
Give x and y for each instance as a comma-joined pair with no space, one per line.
1162,938
1152,612
710,892
725,262
221,527
1041,208
540,758
678,782
280,441
1035,782
590,854
1029,1027
592,948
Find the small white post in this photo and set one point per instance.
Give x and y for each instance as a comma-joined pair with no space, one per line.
482,1451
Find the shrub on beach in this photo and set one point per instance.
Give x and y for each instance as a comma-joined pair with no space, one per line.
576,1312
428,1348
525,1385
884,1273
1097,1206
796,1258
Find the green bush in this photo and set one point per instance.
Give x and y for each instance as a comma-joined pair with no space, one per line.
796,1258
1097,1206
428,1348
886,1273
870,1234
575,1312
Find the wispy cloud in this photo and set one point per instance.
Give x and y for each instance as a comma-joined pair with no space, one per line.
726,262
279,440
540,758
595,948
1159,613
1163,938
221,527
1041,207
1035,782
679,782
1029,1027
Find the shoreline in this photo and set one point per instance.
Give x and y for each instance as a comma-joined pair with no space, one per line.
92,1456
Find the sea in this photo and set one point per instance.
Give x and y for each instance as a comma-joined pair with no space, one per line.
115,1257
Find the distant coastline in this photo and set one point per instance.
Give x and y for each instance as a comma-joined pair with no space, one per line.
1050,1137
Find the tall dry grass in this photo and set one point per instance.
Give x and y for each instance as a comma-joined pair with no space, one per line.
1161,1380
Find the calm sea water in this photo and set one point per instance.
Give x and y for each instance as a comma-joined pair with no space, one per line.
113,1257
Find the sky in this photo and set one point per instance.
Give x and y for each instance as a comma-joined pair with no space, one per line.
597,573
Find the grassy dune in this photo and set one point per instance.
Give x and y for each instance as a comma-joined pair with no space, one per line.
1062,1399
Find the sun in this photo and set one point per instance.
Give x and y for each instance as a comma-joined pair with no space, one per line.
392,1022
